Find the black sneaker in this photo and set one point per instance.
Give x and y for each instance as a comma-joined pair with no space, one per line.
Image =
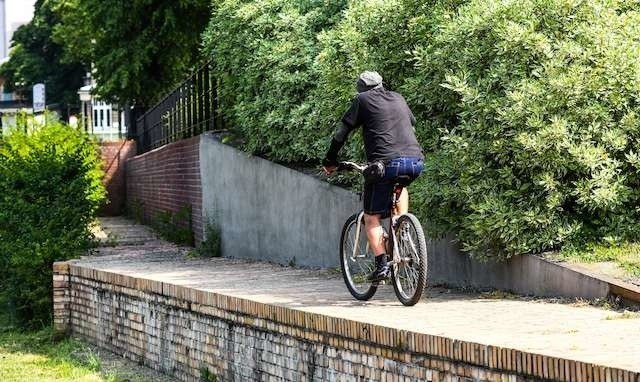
380,274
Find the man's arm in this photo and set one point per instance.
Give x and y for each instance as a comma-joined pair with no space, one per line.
338,140
350,121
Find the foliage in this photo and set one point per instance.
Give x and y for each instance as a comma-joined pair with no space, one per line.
287,68
35,57
377,35
539,124
135,210
211,246
625,255
264,52
50,189
138,49
207,376
526,109
174,227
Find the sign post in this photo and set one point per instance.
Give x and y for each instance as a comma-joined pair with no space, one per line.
39,103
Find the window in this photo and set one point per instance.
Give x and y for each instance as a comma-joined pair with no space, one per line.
102,116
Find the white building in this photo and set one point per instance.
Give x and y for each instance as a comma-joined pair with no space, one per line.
104,120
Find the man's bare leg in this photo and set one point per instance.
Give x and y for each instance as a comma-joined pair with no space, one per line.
402,205
374,228
374,234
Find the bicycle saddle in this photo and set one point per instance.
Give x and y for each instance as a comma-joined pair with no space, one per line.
402,180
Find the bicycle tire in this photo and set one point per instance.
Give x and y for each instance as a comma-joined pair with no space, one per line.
364,289
418,255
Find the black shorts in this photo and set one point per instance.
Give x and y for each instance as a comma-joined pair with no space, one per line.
377,196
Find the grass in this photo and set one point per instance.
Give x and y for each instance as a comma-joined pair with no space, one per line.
34,356
498,295
212,245
626,315
625,255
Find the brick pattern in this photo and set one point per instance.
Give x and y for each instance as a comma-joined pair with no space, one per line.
180,331
61,299
167,179
114,156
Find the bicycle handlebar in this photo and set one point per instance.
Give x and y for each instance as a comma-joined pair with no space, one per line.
342,166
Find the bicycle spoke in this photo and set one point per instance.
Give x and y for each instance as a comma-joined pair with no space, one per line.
410,277
358,264
407,273
410,274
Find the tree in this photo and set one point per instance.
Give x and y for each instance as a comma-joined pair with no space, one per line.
139,49
35,57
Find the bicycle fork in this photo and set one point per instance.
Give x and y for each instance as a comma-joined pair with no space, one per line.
357,239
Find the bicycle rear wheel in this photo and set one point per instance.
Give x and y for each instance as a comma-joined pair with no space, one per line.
410,275
359,264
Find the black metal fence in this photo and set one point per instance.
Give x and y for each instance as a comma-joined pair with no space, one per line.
186,112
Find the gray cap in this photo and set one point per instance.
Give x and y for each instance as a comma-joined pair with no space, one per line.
370,78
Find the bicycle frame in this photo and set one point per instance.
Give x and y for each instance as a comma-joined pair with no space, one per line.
394,241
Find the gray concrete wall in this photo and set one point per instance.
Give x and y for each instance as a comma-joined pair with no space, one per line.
270,212
528,275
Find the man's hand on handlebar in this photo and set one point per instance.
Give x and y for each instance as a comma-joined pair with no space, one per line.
329,169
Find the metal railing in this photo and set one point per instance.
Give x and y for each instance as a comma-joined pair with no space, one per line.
187,111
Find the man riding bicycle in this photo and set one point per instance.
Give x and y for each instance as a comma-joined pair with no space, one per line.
391,149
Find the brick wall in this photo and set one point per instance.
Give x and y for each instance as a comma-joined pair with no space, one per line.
167,179
183,332
114,156
61,299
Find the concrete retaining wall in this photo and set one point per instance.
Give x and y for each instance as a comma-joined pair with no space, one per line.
269,212
528,275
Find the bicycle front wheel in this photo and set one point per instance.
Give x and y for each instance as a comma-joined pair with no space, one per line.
357,264
410,274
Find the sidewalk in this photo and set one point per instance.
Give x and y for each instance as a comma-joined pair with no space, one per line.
571,331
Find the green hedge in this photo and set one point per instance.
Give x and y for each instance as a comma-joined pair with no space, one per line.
543,99
50,189
527,109
264,52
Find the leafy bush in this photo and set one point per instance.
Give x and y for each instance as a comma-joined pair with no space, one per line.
264,53
50,189
540,126
175,227
526,109
211,246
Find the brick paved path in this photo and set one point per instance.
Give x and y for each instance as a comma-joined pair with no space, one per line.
570,331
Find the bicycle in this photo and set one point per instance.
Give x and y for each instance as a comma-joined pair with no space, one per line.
406,244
